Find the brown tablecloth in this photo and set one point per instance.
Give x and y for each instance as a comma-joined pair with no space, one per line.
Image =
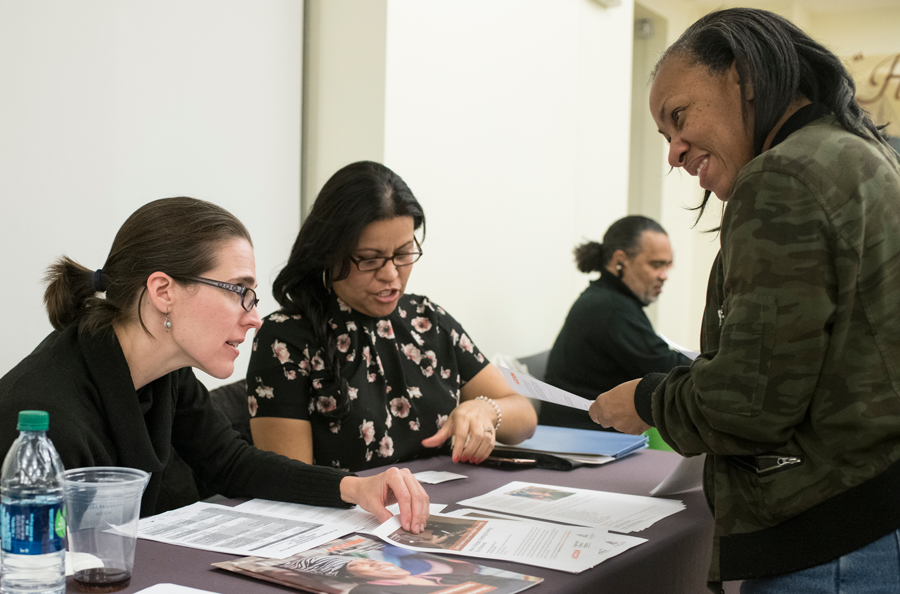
673,560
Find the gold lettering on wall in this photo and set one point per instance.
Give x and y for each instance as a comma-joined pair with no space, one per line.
877,81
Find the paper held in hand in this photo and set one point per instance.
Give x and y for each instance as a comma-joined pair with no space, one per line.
528,386
677,347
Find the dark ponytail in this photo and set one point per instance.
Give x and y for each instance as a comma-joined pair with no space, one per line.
589,257
70,286
178,236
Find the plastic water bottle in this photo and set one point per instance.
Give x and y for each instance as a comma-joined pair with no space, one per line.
32,500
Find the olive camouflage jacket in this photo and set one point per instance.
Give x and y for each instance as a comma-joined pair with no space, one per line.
796,396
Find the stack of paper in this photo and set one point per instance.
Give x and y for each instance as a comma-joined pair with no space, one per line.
257,527
609,545
588,447
583,507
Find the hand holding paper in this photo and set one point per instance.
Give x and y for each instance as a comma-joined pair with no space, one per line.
616,409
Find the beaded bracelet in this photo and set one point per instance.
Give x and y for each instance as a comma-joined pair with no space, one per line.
496,410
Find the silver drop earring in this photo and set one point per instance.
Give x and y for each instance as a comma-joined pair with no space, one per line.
168,324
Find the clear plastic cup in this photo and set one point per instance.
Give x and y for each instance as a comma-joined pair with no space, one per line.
103,504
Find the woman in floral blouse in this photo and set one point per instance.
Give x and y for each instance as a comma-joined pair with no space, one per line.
353,373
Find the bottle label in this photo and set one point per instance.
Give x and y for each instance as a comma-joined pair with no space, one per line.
32,529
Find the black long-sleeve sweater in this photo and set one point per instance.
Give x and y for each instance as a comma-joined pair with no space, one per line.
98,419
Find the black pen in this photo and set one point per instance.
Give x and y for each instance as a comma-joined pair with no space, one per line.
499,460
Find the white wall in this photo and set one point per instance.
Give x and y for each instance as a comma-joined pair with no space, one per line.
679,310
872,31
106,105
508,118
343,103
509,121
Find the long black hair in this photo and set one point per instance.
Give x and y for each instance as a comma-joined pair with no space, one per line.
357,195
780,62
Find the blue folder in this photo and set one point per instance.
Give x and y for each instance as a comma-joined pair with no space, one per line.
562,440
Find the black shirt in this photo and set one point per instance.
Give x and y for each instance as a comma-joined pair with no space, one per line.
606,340
404,372
98,419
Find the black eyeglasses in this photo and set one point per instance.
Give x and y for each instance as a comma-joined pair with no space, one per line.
371,264
248,296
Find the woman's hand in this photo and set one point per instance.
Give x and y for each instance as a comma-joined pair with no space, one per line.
394,485
616,409
471,424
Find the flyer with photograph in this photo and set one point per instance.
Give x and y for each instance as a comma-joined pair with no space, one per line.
542,544
358,564
584,507
610,545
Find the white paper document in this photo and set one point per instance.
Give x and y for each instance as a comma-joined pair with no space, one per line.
434,477
229,530
542,544
172,589
355,517
677,347
684,477
612,544
584,507
533,388
358,519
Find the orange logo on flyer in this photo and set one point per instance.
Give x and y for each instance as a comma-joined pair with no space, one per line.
576,553
515,379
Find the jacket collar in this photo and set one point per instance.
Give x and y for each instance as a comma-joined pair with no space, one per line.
611,281
130,414
803,116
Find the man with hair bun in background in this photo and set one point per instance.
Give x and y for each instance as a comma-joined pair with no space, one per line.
607,338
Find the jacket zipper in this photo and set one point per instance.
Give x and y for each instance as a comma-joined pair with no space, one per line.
766,464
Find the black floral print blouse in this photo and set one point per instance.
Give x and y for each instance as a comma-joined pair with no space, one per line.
404,373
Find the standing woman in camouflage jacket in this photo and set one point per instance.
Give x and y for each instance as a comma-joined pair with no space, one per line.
796,397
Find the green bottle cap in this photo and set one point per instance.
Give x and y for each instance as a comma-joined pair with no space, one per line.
33,420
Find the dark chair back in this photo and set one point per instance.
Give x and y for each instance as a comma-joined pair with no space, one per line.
231,399
537,364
